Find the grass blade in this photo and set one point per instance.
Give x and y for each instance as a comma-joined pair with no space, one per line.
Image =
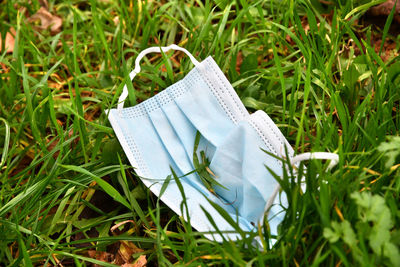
103,184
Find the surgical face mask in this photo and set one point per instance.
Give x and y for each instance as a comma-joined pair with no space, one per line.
159,134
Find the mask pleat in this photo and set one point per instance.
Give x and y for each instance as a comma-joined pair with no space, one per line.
183,128
149,144
227,165
204,111
239,163
173,145
170,140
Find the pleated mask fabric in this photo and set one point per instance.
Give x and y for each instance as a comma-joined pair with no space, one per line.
159,134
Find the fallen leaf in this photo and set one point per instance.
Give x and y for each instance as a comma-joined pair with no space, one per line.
385,8
9,41
116,20
140,262
101,256
239,61
47,20
3,67
44,3
127,249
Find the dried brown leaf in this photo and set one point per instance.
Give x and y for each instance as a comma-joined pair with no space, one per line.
44,3
140,262
101,256
9,41
385,8
239,61
127,249
116,20
47,20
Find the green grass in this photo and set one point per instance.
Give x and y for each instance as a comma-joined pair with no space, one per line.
324,85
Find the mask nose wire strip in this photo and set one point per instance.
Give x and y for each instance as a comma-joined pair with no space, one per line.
334,158
136,70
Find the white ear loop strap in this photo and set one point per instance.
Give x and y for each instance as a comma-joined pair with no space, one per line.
334,158
136,70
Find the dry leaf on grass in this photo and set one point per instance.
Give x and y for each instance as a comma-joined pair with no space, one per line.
385,8
140,262
124,255
127,249
44,3
101,256
116,20
9,41
47,20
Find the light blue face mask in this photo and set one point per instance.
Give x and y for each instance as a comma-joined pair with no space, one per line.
160,132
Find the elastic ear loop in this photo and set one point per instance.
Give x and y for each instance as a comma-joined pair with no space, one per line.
334,158
136,70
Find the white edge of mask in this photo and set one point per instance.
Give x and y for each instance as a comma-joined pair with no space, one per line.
271,134
223,91
277,139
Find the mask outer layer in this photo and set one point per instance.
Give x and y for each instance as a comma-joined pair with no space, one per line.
159,133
